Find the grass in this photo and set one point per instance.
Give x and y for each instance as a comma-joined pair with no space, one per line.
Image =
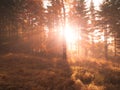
29,72
26,71
98,74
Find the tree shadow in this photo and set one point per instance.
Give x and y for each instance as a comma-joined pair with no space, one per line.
25,70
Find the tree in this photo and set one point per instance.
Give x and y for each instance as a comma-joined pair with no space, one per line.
7,17
53,16
54,23
64,25
110,16
27,15
92,26
79,19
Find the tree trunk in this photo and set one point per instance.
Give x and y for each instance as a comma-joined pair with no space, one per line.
106,45
115,52
64,40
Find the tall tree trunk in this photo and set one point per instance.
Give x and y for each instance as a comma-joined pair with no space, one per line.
117,45
106,45
93,45
115,52
64,40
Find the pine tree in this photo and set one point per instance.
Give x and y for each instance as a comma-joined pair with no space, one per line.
55,20
81,11
110,14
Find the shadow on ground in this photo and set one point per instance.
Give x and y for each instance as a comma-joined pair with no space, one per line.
26,72
21,70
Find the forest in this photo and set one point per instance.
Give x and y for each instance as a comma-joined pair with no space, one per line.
59,45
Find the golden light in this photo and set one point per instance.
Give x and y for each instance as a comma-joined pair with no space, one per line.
73,38
70,34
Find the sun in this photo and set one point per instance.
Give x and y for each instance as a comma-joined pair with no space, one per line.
70,34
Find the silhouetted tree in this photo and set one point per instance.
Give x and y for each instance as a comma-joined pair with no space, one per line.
7,17
54,23
64,25
78,17
110,18
26,16
92,25
25,13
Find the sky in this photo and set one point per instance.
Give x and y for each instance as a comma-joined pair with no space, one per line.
96,2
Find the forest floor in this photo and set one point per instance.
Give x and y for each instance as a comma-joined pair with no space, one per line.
23,71
29,72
